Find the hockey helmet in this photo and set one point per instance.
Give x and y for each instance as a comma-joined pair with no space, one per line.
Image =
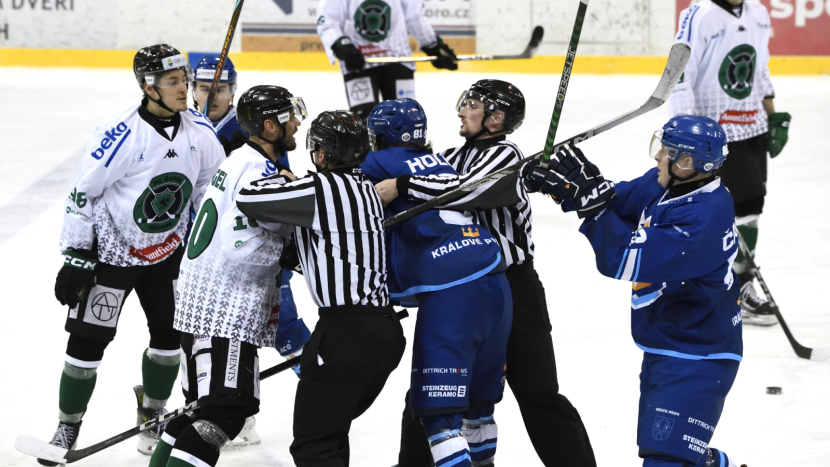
265,101
206,69
399,121
150,63
497,95
690,135
342,137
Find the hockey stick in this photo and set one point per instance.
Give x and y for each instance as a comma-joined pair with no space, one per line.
678,57
563,84
535,40
818,353
34,447
237,11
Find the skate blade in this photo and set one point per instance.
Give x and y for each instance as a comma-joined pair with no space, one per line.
239,444
146,446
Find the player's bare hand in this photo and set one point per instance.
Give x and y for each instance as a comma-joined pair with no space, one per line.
388,190
288,174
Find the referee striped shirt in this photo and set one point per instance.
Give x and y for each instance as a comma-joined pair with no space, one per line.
338,219
511,224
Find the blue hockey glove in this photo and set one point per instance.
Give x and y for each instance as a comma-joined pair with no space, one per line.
582,181
76,277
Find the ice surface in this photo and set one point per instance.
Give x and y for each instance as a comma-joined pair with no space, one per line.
47,116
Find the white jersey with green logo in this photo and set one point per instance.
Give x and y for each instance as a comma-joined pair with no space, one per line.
228,286
378,28
727,76
133,187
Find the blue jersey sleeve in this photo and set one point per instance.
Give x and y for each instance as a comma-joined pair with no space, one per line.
684,246
632,196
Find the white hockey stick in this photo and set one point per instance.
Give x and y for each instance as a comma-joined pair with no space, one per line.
678,56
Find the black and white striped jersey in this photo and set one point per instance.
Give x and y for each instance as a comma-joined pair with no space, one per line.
338,219
511,223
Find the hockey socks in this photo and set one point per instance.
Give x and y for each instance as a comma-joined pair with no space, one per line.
76,388
446,442
161,454
159,369
481,433
198,445
748,227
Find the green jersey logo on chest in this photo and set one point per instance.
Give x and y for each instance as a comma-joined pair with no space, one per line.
737,71
372,20
159,208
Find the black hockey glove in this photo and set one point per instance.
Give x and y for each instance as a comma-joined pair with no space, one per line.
582,181
779,127
76,277
446,56
289,259
237,141
537,179
347,53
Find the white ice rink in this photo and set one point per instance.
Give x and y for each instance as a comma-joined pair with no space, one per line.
47,116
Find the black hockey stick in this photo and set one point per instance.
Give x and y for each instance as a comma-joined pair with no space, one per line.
535,40
818,353
34,447
563,84
678,57
237,11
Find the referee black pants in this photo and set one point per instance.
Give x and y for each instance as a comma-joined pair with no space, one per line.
553,424
359,346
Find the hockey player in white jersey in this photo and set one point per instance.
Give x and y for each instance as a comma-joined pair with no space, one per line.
123,228
354,29
727,79
228,292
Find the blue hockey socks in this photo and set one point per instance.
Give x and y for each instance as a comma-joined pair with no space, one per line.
447,443
481,432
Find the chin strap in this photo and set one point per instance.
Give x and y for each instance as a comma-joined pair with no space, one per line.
159,102
673,177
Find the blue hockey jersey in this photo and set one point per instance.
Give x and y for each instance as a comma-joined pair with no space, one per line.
678,253
436,249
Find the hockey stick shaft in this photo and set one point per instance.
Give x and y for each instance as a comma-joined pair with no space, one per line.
226,47
535,40
563,84
675,65
800,350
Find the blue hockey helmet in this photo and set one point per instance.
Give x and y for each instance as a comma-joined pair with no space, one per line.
690,135
206,69
399,121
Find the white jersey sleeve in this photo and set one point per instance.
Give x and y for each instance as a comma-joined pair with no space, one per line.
417,24
227,285
331,17
682,100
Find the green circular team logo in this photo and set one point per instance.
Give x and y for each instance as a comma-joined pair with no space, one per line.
737,72
159,208
372,20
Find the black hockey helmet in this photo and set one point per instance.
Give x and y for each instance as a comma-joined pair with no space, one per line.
263,102
341,135
153,61
497,95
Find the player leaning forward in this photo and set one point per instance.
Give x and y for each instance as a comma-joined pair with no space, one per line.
123,228
229,287
727,79
358,340
672,234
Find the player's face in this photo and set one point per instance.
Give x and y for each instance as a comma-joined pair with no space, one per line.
221,101
289,143
172,88
471,115
663,176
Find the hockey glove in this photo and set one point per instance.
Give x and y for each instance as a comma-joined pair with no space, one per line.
76,277
779,127
289,259
582,181
346,52
237,141
446,56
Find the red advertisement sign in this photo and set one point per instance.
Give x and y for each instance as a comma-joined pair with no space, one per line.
799,27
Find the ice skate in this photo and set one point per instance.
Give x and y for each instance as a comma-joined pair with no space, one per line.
247,438
147,440
66,436
756,310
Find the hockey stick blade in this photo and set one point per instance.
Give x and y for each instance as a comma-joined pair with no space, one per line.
676,63
530,50
34,447
817,354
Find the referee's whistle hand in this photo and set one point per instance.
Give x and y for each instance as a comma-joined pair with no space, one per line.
388,190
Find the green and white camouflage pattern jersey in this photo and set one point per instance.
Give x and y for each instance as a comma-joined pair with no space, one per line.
134,185
727,76
379,28
228,285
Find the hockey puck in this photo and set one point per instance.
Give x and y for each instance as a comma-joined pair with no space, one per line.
773,390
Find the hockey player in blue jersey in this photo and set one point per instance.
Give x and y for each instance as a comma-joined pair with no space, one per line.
454,268
222,111
672,234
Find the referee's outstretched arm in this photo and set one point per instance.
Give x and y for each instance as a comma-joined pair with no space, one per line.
278,199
